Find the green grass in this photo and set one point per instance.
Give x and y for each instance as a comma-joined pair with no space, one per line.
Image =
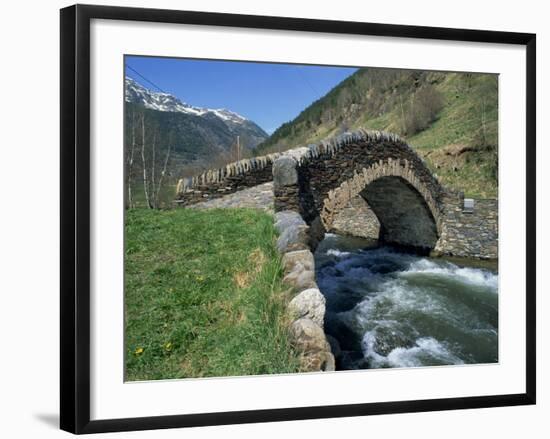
166,195
203,295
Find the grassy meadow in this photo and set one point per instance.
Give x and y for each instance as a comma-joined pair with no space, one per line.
166,196
203,295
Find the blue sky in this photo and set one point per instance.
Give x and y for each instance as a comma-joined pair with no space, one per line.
268,94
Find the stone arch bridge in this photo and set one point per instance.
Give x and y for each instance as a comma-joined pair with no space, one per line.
318,181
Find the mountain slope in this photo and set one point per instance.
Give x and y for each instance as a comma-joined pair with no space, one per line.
449,118
198,135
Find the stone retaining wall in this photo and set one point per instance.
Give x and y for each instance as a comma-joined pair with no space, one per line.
472,235
233,177
356,219
217,183
307,308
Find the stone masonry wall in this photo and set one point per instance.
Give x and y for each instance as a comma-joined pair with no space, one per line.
223,181
308,306
320,181
473,235
335,182
357,219
324,167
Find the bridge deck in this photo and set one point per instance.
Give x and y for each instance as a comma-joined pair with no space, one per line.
257,197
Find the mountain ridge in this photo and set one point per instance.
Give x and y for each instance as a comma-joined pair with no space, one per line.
161,101
199,136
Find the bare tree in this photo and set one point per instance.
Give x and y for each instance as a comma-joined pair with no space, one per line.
422,110
403,119
130,163
483,121
153,166
144,164
162,174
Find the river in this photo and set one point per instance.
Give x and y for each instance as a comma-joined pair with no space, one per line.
392,309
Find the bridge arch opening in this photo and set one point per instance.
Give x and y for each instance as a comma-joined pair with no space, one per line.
404,216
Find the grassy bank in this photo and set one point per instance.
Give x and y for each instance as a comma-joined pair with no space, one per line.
203,295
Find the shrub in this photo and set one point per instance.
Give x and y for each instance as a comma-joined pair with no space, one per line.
422,109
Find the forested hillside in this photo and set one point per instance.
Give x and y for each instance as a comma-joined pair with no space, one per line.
451,119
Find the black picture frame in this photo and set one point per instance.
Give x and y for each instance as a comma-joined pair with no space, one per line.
75,217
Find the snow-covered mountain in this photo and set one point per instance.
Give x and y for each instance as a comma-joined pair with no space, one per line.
138,94
199,136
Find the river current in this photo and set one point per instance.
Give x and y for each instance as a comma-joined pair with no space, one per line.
392,309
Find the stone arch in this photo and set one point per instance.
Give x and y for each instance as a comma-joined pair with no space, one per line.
406,210
379,167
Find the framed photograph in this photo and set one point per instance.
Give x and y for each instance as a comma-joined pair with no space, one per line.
274,218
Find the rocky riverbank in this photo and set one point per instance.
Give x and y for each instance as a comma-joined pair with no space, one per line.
308,307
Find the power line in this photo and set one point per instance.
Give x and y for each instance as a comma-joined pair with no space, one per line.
304,77
143,77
